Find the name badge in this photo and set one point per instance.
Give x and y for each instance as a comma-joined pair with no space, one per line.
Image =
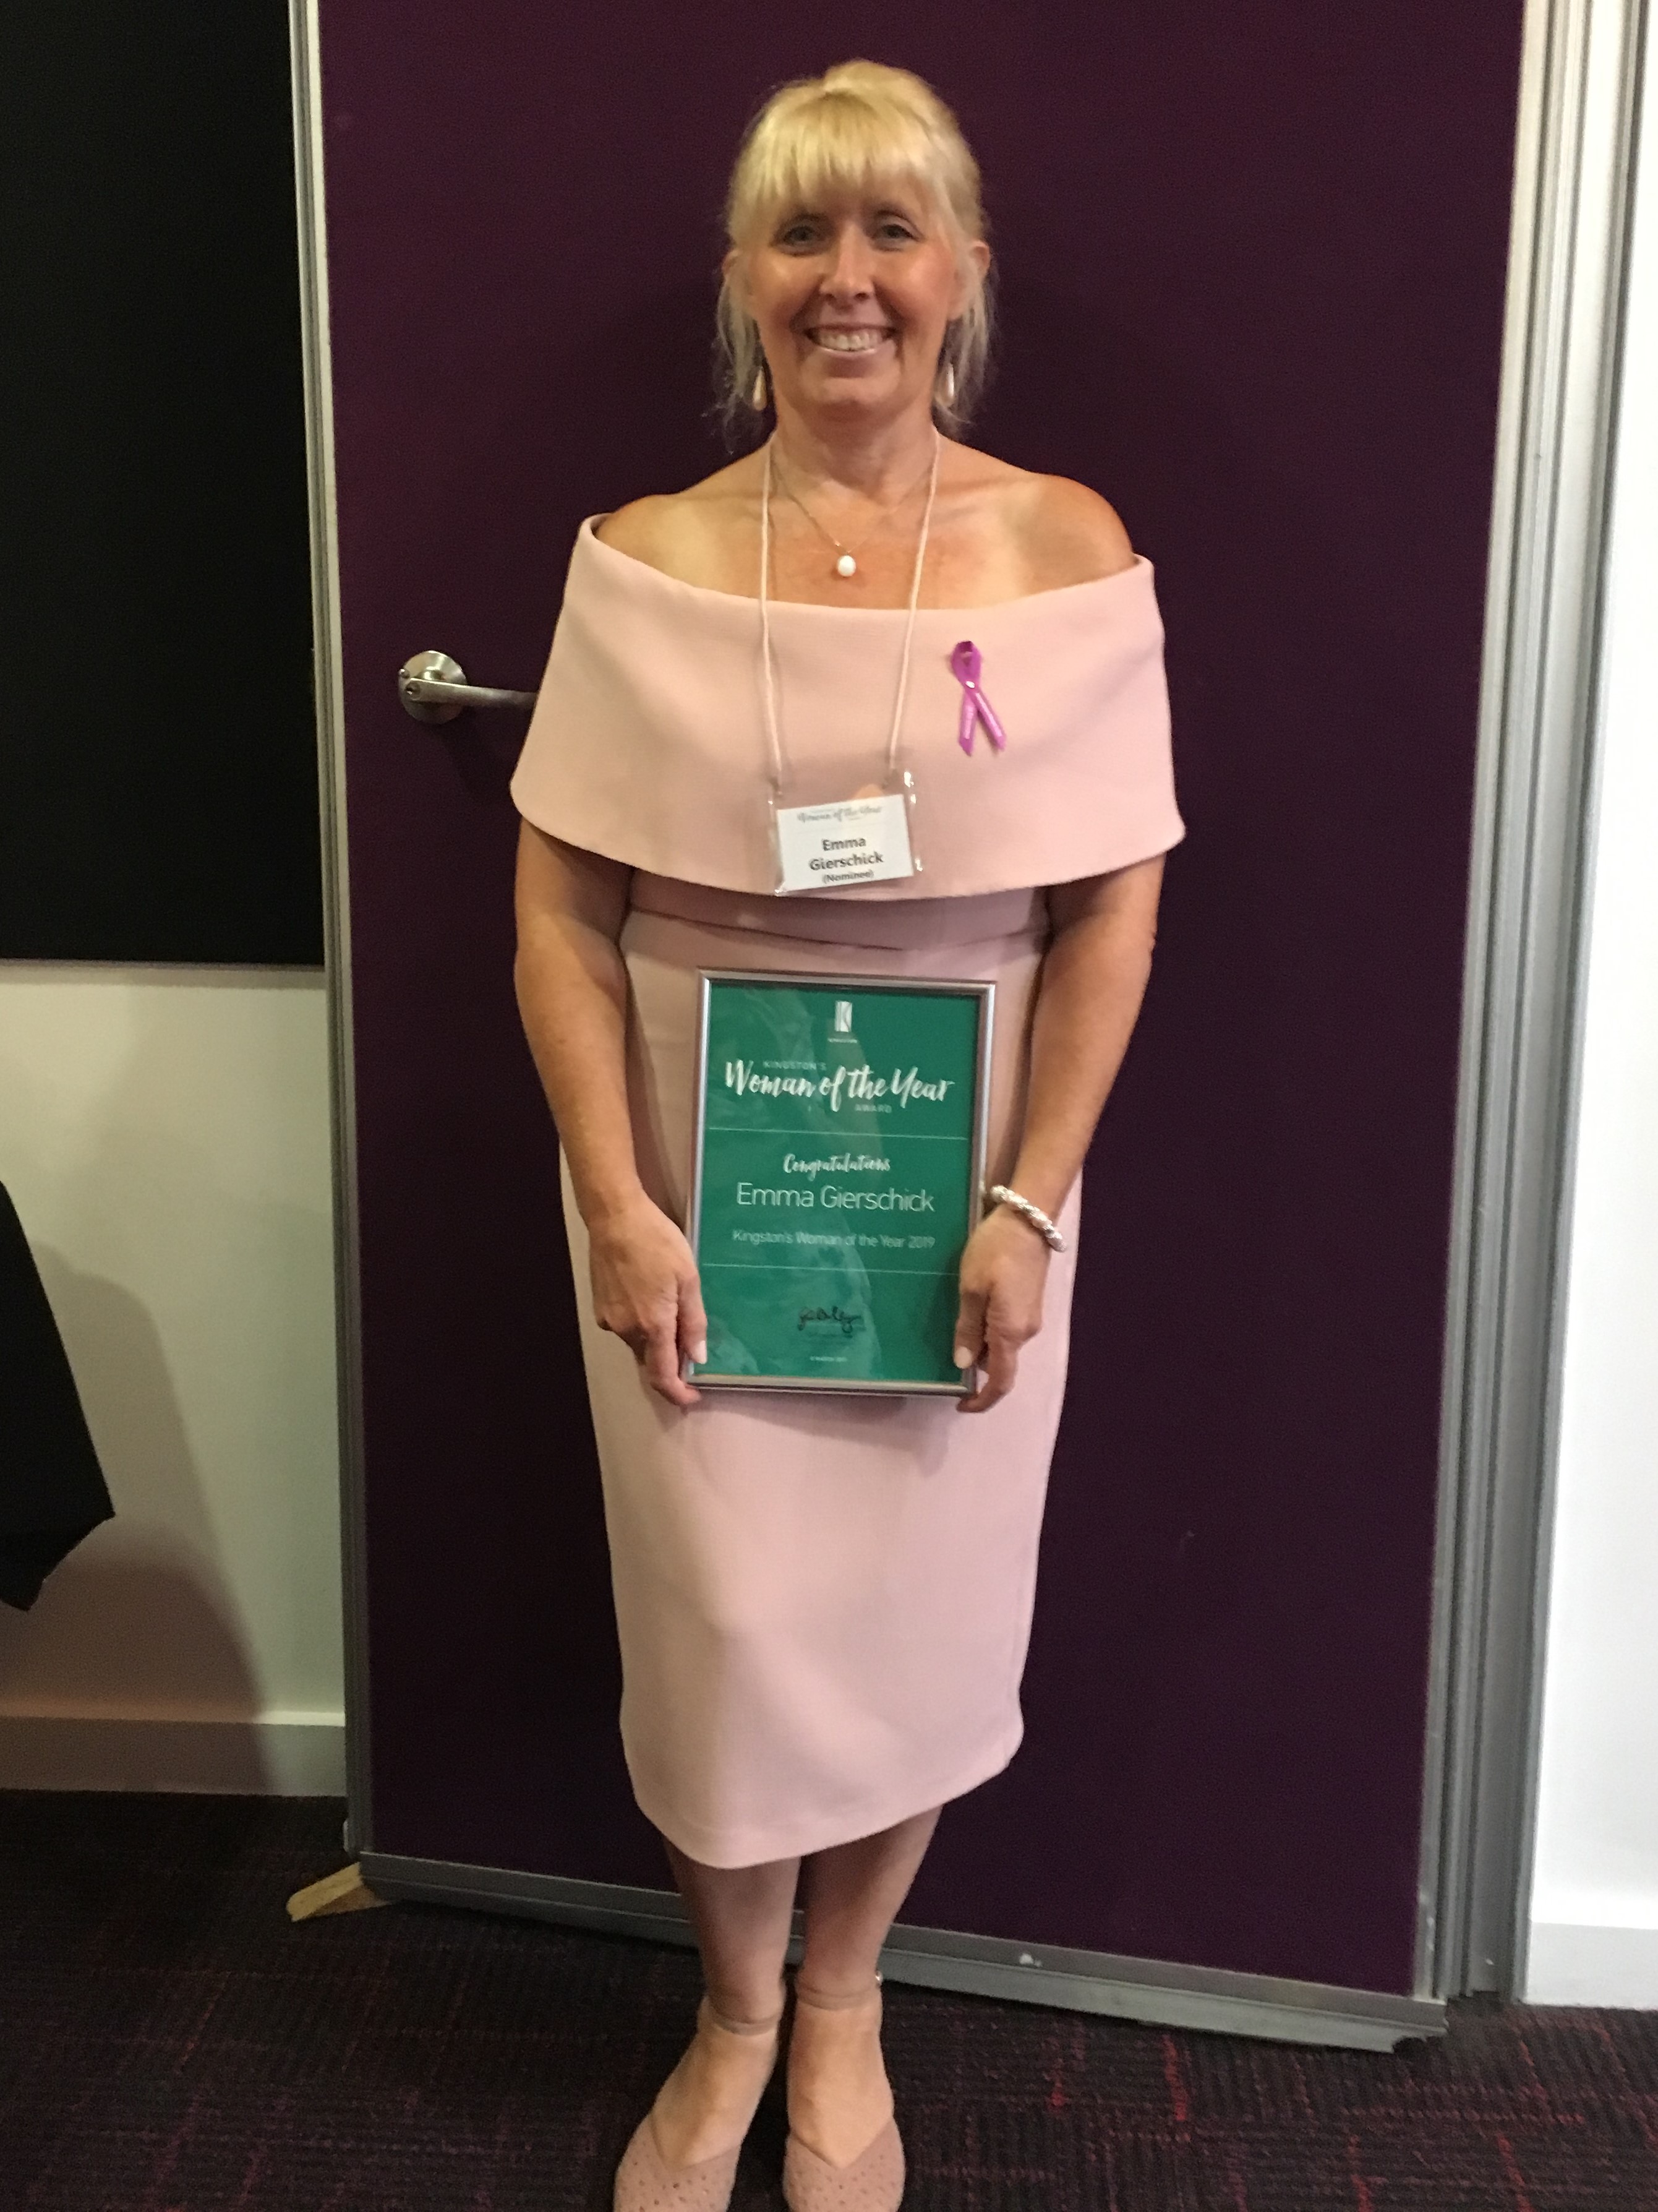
850,841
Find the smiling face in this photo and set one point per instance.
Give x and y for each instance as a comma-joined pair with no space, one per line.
852,295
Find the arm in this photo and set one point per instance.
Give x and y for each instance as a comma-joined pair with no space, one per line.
573,995
1088,998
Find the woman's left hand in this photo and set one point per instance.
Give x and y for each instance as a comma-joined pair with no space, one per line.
1003,1275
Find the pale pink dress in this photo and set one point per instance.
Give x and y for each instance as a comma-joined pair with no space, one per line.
824,1602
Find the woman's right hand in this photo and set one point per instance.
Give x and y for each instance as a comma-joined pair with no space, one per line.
645,1291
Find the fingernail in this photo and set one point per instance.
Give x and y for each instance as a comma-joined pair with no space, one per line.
963,1357
700,1353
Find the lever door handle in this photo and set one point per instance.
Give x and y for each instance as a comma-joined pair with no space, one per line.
433,689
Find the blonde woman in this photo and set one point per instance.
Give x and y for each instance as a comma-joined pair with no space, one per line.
824,1602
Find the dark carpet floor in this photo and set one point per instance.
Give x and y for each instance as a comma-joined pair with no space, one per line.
170,2043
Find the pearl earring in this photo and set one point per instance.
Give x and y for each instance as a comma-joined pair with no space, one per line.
758,395
944,389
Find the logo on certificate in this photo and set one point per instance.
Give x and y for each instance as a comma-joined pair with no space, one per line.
843,1018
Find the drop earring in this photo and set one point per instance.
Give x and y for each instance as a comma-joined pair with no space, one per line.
757,395
944,386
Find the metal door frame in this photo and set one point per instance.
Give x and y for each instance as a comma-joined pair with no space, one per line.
1522,992
1577,98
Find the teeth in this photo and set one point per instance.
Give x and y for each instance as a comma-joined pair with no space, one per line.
849,341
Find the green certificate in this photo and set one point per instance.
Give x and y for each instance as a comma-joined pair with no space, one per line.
838,1162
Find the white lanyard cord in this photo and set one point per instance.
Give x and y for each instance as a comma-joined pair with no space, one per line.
768,666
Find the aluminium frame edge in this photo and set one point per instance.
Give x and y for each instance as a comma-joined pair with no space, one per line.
1603,324
305,43
1150,1991
1515,1118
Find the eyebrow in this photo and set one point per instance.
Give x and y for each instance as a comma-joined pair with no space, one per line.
802,213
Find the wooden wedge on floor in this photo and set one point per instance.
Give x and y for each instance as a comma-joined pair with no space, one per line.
344,1891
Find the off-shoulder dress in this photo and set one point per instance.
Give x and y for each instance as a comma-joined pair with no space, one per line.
824,1602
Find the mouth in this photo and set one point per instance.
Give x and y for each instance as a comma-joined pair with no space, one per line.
849,339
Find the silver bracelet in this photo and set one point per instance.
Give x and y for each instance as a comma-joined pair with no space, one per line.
1033,1214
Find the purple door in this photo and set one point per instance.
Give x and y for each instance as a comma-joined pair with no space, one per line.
1251,265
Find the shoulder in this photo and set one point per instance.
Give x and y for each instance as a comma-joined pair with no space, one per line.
1053,532
1069,534
682,533
641,529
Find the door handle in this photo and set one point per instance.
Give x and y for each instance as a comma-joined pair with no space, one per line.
433,689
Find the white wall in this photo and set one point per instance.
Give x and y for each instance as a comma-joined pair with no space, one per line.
1595,1902
164,1133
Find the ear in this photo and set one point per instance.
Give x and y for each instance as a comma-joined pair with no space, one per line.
734,269
971,275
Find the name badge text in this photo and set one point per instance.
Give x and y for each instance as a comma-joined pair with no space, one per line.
850,841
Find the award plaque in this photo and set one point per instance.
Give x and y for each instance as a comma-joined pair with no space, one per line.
838,1163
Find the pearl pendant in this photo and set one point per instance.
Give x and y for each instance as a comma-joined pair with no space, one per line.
845,566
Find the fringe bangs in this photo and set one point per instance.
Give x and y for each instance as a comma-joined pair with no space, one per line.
841,144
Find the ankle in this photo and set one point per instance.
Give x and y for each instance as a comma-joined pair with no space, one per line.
735,2019
838,1994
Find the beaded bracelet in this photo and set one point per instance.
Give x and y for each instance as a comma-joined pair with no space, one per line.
1033,1214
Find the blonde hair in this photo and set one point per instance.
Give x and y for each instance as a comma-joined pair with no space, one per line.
859,125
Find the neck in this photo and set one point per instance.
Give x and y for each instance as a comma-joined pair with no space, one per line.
881,460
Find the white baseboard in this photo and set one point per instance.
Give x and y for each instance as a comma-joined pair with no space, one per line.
277,1755
1569,1964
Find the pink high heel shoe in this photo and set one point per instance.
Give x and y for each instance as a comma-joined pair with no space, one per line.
874,2181
645,2182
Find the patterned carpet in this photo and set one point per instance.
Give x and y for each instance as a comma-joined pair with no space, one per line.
169,2043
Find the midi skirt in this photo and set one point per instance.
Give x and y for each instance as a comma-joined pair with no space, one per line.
824,1602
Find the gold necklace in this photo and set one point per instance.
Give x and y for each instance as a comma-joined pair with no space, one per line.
846,561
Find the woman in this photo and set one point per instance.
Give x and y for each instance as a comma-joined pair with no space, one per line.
824,1602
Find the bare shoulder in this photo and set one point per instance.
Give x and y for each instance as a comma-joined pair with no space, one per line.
681,533
1070,534
641,528
1053,532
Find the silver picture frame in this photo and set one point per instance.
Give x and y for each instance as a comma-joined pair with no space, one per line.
911,986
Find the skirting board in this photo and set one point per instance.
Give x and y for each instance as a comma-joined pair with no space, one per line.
278,1755
1570,1965
1150,1990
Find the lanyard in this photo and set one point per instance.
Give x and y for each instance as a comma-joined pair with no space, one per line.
768,659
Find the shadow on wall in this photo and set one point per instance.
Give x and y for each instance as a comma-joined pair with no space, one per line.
132,1627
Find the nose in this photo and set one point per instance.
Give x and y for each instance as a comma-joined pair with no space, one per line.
848,276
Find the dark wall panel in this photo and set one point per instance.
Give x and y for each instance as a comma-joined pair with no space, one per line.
1252,262
158,781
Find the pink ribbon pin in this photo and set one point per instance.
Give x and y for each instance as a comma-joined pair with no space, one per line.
965,663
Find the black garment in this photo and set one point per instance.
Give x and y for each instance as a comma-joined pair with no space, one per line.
52,1487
